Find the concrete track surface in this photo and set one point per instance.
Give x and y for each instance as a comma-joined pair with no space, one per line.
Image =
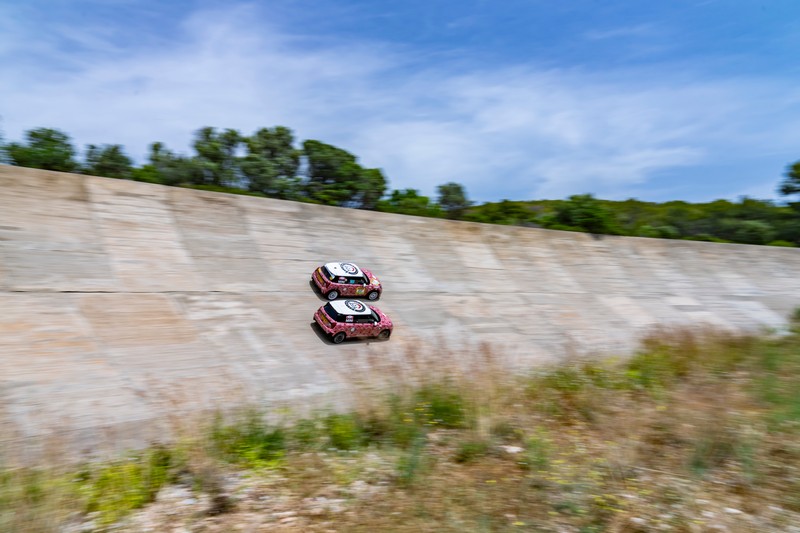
120,300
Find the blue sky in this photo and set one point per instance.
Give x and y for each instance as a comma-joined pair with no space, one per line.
519,99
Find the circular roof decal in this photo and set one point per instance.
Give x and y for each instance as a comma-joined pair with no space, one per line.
350,268
355,305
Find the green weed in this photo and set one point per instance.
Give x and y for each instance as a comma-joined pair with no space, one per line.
115,489
35,500
412,462
249,441
537,452
441,405
344,431
471,450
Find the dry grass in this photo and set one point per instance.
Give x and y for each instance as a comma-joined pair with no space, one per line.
694,432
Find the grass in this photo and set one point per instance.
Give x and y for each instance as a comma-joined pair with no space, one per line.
667,439
113,490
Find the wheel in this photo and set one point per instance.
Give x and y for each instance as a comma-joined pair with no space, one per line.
332,295
339,337
384,334
373,295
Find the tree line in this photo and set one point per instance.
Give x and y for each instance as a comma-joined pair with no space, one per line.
266,163
271,163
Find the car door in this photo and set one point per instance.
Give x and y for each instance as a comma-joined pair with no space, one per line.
375,326
343,286
359,289
351,326
360,327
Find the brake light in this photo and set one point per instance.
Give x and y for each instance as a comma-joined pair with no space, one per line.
324,318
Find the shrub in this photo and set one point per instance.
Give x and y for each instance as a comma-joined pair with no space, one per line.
442,405
306,433
412,463
716,444
343,431
36,500
537,452
115,489
470,450
248,440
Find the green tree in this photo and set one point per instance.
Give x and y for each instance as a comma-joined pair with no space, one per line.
409,202
787,224
584,212
453,199
336,178
371,187
4,159
271,162
109,161
503,212
169,168
46,148
216,155
753,232
660,232
332,173
791,182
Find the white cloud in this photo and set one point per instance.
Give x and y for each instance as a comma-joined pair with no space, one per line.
509,131
637,30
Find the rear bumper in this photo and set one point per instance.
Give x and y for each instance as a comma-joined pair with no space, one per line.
322,322
319,281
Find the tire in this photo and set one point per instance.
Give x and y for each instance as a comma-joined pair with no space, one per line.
339,337
332,295
384,334
373,295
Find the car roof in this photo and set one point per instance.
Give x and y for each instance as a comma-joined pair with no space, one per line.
345,268
351,307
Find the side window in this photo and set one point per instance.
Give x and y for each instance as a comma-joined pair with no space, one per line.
375,318
364,320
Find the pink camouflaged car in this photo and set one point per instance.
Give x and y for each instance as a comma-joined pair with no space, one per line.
345,319
346,279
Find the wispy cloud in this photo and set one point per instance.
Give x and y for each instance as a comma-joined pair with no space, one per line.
513,131
637,30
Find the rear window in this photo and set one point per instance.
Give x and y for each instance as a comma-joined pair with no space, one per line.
327,273
333,313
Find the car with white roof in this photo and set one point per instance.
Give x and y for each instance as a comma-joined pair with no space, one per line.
344,319
346,279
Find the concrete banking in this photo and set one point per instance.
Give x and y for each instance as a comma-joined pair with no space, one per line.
121,302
